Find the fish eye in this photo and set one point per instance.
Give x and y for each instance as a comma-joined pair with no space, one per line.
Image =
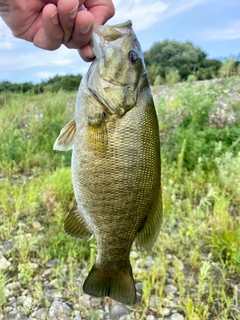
133,56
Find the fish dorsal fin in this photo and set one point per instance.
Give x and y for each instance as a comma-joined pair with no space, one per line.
65,140
75,226
146,237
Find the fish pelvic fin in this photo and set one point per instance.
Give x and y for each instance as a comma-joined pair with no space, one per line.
75,226
147,236
118,285
65,140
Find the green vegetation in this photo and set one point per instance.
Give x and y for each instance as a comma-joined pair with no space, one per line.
200,238
184,59
67,83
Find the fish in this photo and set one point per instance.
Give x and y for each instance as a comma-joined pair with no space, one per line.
116,169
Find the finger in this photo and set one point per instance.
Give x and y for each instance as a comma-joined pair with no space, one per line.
67,12
102,10
86,53
82,31
50,35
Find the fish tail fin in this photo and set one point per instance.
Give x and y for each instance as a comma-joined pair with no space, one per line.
118,285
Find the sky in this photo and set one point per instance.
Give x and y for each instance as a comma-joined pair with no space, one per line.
214,25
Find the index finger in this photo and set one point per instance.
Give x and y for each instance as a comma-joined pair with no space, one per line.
102,10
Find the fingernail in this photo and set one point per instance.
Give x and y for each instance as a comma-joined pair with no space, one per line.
54,18
85,29
72,14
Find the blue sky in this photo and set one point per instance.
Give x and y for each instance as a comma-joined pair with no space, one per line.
214,25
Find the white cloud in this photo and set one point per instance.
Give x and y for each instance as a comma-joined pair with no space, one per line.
39,58
7,41
143,14
230,33
43,75
178,7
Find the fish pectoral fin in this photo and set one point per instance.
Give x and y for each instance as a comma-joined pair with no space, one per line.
147,236
118,285
75,226
65,140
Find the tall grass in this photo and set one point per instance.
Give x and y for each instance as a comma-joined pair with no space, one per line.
198,247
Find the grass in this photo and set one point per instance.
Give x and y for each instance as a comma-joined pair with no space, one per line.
198,247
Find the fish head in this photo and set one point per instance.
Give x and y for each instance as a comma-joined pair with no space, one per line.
118,67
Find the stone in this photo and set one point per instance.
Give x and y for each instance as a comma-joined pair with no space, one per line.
50,295
177,316
59,310
119,310
52,263
170,290
150,317
154,302
7,247
37,225
4,263
166,312
40,314
27,303
77,315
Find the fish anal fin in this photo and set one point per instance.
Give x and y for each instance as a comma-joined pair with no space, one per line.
75,226
118,285
65,140
147,236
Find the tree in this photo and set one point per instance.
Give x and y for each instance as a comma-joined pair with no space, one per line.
184,57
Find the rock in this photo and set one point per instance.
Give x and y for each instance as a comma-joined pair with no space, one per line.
150,317
154,302
52,263
50,295
77,315
59,310
85,301
177,316
27,303
149,262
37,225
15,316
46,273
134,254
40,314
139,287
166,312
4,263
119,310
170,290
7,247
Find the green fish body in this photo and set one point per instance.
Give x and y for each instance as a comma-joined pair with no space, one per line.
115,161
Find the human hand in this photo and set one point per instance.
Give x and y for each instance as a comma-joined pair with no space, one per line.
50,23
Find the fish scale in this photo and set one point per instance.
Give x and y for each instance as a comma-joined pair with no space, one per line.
115,161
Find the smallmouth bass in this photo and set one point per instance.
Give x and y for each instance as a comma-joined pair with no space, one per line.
115,161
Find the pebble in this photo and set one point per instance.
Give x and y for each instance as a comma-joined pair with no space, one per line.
4,263
59,310
52,263
150,317
40,314
170,290
177,316
7,247
166,311
154,302
37,225
119,310
50,295
27,303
